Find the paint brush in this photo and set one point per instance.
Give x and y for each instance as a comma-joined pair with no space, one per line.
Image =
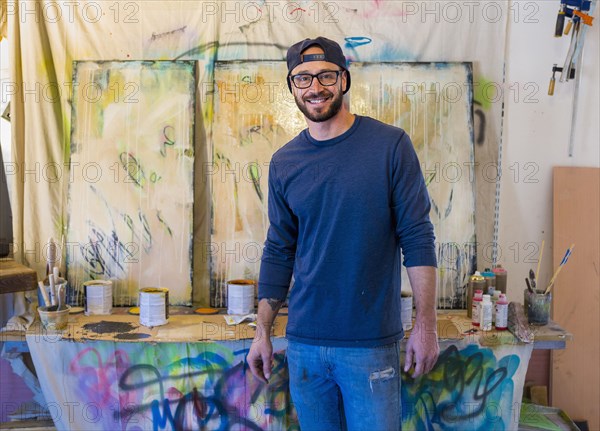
532,279
52,288
563,262
51,259
60,291
537,271
44,293
528,285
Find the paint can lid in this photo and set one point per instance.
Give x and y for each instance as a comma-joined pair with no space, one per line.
206,310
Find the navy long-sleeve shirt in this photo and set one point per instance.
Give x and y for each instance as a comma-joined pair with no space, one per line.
340,210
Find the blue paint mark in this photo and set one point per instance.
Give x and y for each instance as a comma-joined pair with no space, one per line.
159,421
390,53
441,66
354,41
243,351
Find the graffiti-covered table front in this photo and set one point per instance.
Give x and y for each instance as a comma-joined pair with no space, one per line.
108,373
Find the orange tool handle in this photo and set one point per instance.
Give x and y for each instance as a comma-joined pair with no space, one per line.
585,18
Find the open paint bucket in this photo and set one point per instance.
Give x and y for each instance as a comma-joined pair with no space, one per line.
240,296
98,297
154,306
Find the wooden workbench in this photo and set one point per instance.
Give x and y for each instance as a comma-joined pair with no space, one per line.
185,325
15,277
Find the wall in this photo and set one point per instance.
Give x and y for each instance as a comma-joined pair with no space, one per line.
536,138
4,126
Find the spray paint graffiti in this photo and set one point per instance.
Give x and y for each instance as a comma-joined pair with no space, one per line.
207,385
213,389
470,388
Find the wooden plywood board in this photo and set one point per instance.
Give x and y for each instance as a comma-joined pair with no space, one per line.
575,374
538,372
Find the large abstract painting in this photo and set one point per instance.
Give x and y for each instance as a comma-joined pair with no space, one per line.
433,102
130,199
255,115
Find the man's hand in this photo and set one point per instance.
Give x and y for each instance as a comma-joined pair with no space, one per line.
261,352
259,357
422,350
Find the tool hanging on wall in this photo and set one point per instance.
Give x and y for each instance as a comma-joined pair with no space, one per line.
555,69
579,13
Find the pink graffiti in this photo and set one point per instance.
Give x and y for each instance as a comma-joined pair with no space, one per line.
98,380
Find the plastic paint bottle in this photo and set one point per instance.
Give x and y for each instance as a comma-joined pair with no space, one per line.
502,313
477,307
486,313
495,299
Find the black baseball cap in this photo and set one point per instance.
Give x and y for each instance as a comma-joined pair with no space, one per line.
332,52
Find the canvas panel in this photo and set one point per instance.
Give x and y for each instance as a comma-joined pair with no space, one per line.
131,194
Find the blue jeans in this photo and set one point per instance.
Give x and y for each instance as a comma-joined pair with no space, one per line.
340,388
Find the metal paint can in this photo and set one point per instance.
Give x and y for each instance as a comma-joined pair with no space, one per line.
406,308
476,282
501,277
240,296
154,306
97,297
490,281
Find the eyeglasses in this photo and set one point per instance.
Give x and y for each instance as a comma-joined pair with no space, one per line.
326,78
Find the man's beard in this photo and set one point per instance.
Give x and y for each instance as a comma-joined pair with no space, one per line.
319,117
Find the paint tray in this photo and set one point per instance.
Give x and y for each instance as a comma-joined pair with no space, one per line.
535,418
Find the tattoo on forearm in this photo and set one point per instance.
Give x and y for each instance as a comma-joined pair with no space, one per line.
274,303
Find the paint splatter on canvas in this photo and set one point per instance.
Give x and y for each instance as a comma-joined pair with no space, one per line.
131,188
433,103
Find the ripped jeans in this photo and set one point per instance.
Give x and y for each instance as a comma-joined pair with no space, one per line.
346,388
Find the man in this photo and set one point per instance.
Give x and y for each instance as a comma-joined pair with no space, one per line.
345,196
